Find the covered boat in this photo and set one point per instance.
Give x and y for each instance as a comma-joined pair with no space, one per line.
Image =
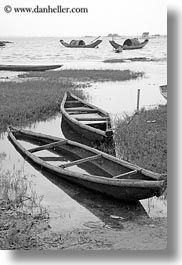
80,44
26,68
86,119
129,44
76,163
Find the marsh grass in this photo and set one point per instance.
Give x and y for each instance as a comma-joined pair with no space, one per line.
16,193
38,95
143,139
22,215
30,101
79,75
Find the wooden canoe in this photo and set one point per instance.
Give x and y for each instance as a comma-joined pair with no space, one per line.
112,177
90,45
86,120
163,90
126,47
25,68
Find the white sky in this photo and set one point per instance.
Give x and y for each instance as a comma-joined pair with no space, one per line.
125,17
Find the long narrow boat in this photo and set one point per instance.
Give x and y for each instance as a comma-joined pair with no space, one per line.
113,177
128,47
80,44
163,90
25,68
85,119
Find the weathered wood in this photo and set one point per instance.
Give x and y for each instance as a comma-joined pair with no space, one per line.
73,101
52,158
130,173
92,119
80,110
47,146
80,161
148,184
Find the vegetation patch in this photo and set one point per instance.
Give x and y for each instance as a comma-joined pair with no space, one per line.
87,75
21,210
143,139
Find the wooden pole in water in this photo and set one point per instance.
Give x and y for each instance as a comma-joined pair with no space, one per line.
138,101
138,107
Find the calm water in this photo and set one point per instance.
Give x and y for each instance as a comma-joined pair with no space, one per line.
69,206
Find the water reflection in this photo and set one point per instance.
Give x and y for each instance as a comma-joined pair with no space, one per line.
110,212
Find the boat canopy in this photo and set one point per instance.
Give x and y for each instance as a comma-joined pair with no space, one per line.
131,42
77,42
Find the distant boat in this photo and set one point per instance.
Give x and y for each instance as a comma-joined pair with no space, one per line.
129,44
81,44
2,44
103,173
163,90
25,68
145,35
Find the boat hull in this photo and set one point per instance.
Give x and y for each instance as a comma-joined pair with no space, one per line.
25,68
125,190
125,47
91,45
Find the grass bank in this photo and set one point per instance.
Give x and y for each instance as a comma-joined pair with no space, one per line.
37,96
143,139
88,75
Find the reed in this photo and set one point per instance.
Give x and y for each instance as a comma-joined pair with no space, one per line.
21,210
143,139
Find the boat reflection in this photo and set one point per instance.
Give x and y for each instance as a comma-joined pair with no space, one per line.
111,212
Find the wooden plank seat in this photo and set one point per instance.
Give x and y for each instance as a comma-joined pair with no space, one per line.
80,161
130,173
80,110
47,146
52,158
92,119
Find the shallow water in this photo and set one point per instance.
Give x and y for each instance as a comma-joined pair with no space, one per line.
71,206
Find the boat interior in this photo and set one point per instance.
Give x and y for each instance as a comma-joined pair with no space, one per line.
86,115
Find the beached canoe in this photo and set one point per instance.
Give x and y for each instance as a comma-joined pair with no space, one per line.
80,44
25,68
76,163
86,120
129,44
163,90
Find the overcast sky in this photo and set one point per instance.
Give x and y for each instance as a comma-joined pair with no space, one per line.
131,17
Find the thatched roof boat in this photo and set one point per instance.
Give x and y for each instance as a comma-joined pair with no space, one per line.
116,178
129,44
80,44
